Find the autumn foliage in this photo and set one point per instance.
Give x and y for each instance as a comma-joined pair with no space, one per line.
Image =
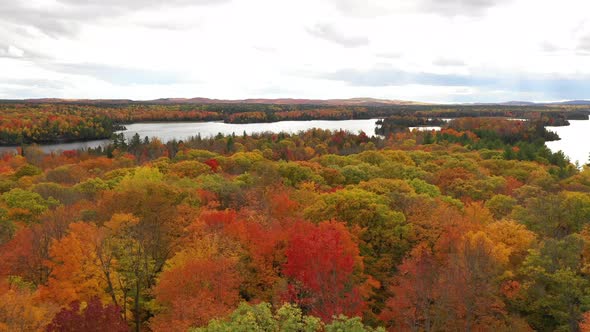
462,229
321,264
95,317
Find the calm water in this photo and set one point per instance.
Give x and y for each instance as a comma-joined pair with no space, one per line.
574,140
181,130
167,131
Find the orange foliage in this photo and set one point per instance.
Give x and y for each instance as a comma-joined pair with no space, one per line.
194,293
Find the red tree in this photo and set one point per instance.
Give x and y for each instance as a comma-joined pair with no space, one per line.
192,294
321,264
94,318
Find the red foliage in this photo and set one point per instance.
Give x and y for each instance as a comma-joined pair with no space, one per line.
282,206
196,292
218,219
321,260
213,163
511,185
95,317
415,291
70,153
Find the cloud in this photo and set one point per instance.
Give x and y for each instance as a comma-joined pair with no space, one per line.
35,83
396,77
31,88
389,55
139,4
459,7
363,8
118,75
330,33
548,47
584,44
11,51
448,62
66,17
551,86
172,26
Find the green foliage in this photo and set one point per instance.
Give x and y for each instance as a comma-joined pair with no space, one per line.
412,207
7,227
288,318
91,187
27,200
500,205
423,187
385,231
140,177
17,282
555,215
27,170
345,324
554,293
294,174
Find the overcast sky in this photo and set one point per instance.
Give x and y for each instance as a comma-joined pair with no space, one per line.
424,50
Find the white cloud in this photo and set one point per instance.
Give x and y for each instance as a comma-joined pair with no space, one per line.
332,33
11,51
424,49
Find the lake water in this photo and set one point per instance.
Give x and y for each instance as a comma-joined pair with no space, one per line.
167,131
574,140
183,130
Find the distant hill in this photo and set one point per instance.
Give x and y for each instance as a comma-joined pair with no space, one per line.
574,102
281,101
278,101
519,103
530,103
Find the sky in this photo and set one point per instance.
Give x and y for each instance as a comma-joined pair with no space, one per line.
446,51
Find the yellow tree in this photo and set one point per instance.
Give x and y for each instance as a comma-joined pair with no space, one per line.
76,274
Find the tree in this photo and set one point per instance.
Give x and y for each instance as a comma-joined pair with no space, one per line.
453,286
19,308
26,254
414,305
555,215
384,231
288,318
321,264
196,292
554,293
25,205
75,270
500,205
95,317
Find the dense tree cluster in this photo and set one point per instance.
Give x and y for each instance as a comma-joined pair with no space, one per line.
25,123
316,231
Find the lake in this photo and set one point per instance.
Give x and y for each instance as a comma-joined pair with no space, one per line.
574,140
573,137
167,131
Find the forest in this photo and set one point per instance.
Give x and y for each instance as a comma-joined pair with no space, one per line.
26,123
476,227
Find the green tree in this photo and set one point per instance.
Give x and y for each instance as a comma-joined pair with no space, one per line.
500,205
554,292
26,200
288,318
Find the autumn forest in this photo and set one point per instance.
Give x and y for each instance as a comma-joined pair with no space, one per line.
475,227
